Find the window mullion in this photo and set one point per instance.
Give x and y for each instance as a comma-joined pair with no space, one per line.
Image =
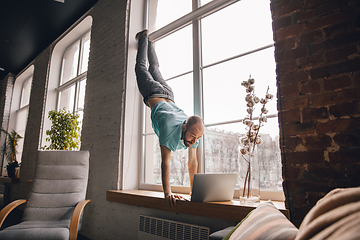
79,57
71,82
143,108
76,97
239,55
197,80
238,120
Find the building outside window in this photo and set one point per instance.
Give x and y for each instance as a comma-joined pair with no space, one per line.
205,52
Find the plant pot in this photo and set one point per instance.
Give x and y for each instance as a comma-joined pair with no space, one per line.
10,171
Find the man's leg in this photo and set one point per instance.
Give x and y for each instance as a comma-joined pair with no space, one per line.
155,72
146,83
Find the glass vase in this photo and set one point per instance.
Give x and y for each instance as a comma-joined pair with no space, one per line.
249,179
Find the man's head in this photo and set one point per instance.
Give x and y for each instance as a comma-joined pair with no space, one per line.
192,130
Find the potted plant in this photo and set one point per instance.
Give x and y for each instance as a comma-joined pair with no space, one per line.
64,133
10,150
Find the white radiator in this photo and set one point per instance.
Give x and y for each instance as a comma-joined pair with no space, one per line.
151,228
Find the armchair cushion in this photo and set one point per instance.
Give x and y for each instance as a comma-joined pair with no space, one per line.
60,182
34,230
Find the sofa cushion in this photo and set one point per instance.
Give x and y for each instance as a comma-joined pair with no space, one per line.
265,222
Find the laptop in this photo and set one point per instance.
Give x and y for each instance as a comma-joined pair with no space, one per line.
213,187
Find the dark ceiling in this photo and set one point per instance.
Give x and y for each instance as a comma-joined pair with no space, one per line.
27,27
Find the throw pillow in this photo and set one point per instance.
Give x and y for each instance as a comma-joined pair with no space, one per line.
265,222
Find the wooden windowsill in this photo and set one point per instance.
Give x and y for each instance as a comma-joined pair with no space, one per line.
7,180
230,210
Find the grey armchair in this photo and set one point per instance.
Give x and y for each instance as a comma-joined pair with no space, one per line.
56,201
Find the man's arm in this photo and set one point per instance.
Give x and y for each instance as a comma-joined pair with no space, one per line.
165,176
192,164
165,169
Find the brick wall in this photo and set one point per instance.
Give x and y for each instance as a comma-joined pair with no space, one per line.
317,46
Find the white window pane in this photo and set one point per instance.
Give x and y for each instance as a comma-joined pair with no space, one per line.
224,97
175,53
70,63
67,99
239,28
21,119
20,145
85,53
203,2
163,12
81,100
20,127
81,97
183,93
148,125
179,175
222,152
25,94
179,172
152,161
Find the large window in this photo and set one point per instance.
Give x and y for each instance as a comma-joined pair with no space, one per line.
22,114
20,107
205,52
73,76
68,73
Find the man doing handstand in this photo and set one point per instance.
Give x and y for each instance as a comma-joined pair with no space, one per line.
173,127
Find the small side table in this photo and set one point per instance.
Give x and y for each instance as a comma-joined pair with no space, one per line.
7,182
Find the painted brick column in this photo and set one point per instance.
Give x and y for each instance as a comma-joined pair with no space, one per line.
104,113
6,92
317,48
34,123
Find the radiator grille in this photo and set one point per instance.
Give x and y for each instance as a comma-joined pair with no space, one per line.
172,230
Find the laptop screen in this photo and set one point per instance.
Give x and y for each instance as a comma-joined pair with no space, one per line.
213,187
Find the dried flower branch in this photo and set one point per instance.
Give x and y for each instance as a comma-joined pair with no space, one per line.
252,137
